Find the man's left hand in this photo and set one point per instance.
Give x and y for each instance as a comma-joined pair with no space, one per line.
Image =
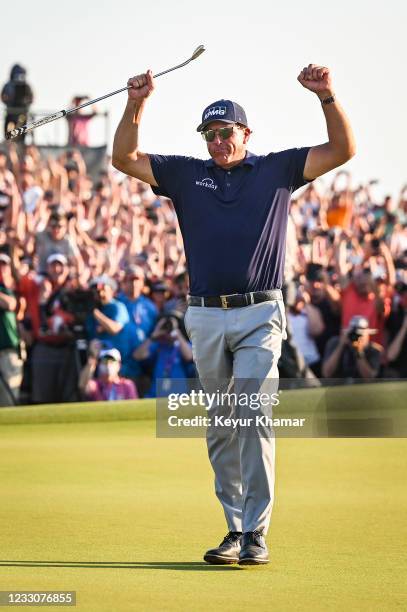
317,79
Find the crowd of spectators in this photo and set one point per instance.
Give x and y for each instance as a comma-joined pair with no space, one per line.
94,284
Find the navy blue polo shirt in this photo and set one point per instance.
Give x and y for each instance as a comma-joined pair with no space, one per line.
233,222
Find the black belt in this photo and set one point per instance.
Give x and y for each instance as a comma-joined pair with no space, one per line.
235,300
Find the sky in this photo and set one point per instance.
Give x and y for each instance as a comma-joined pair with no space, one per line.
254,53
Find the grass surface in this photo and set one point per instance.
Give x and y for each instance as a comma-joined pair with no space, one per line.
123,518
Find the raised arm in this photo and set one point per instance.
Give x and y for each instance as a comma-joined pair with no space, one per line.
341,142
126,155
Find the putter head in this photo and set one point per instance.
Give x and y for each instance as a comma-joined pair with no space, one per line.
197,52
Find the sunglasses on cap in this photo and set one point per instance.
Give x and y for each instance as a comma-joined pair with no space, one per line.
223,132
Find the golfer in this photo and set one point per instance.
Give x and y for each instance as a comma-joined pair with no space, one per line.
232,209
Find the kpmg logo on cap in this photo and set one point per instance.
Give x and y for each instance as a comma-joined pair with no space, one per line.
215,111
208,183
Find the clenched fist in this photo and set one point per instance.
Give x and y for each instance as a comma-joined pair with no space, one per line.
142,86
317,79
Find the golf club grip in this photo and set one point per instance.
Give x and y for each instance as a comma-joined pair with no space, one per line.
31,126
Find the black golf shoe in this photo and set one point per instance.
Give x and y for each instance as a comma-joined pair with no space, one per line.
253,549
227,552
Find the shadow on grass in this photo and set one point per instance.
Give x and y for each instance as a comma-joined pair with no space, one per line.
192,566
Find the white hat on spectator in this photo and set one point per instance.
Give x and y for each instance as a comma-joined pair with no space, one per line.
4,258
112,353
360,324
57,257
104,279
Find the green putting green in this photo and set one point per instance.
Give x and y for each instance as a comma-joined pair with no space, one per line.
123,518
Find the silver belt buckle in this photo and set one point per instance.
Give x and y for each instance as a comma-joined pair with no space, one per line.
224,299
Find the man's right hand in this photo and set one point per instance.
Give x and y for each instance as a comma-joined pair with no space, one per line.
95,346
142,86
126,155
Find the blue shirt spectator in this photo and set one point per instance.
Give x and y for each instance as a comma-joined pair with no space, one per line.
143,314
169,353
109,321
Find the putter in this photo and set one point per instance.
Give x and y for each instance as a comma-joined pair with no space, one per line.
31,126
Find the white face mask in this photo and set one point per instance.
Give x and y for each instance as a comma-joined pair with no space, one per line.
110,368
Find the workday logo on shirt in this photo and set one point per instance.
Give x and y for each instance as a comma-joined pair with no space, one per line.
207,182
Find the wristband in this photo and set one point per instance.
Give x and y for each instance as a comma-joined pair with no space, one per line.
328,100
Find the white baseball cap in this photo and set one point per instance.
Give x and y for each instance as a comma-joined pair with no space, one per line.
57,257
104,279
112,353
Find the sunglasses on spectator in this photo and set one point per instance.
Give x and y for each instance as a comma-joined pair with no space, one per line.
57,225
224,133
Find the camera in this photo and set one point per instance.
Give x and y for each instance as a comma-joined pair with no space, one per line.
354,335
80,303
168,325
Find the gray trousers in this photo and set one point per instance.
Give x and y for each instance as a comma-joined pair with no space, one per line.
240,347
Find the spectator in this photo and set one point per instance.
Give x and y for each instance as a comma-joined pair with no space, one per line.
160,293
306,324
143,315
397,330
169,353
142,311
352,354
100,380
9,196
361,296
360,293
78,122
17,95
54,356
109,321
55,240
11,365
180,288
28,284
327,300
340,207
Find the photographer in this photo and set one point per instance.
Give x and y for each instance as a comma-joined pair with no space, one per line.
169,353
17,95
54,357
352,354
